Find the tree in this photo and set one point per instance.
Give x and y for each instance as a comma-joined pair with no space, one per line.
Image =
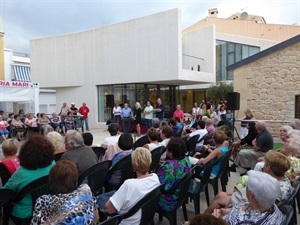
219,91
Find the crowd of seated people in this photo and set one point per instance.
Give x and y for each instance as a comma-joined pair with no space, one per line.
18,125
257,204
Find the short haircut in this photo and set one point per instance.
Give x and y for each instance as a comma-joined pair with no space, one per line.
63,177
88,138
173,122
125,141
155,123
10,147
207,219
113,129
163,123
219,137
15,116
201,124
208,121
153,134
295,123
294,144
56,139
167,131
226,129
286,128
262,124
141,160
74,137
257,183
36,152
223,116
278,163
177,147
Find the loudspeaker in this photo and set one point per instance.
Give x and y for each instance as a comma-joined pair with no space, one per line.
233,101
110,100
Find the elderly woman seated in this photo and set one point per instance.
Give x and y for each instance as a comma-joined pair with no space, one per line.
153,138
262,192
132,190
172,170
68,204
36,160
276,165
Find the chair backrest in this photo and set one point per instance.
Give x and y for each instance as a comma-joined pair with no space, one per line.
95,176
4,174
156,154
191,144
35,189
183,184
112,221
99,151
224,163
126,169
148,205
288,211
290,200
141,142
203,173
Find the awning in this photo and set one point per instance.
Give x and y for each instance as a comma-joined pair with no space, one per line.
22,73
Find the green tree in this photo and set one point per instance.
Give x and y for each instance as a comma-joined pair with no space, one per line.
219,91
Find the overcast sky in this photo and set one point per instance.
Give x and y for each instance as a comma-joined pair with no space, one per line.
23,20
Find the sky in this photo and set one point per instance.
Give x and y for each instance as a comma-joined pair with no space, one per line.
23,20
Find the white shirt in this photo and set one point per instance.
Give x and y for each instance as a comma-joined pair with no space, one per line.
165,142
202,132
117,111
111,140
153,146
131,191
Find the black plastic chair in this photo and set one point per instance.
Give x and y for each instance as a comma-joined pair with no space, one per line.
191,144
95,176
6,196
4,174
183,184
112,221
291,201
214,181
35,189
202,173
156,154
288,211
148,205
125,166
99,151
141,142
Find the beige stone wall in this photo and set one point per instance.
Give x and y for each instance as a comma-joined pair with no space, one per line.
268,86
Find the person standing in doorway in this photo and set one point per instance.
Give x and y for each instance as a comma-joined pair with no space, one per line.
84,111
137,114
159,109
126,115
64,111
148,112
117,112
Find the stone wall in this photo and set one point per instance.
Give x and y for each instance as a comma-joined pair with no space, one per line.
268,86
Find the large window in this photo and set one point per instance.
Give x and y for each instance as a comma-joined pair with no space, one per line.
228,53
132,93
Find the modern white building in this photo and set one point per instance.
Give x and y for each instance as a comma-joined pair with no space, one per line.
148,57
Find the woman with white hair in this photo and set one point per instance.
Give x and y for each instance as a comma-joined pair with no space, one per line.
57,141
262,192
137,112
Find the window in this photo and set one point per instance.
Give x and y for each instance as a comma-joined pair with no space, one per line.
228,53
